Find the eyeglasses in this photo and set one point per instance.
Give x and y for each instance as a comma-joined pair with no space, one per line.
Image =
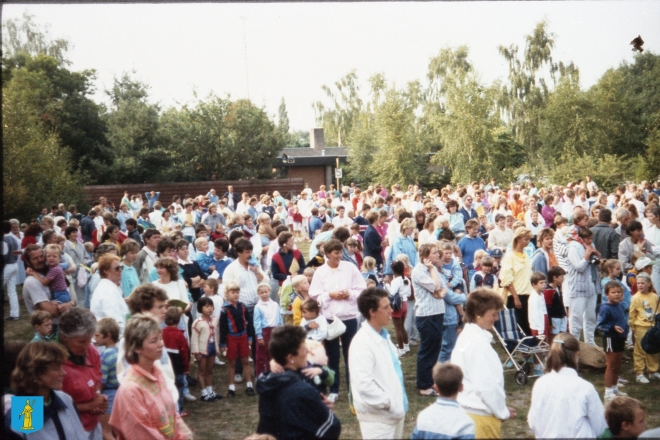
118,268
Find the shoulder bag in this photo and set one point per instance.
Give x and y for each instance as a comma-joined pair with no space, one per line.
651,340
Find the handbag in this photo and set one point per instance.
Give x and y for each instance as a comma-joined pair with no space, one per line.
335,329
81,276
651,340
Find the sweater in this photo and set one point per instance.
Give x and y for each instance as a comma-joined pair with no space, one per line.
260,319
468,247
609,316
554,302
202,333
233,322
177,349
642,308
443,419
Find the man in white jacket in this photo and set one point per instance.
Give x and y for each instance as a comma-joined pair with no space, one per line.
379,396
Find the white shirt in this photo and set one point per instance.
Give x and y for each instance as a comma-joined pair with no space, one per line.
399,286
565,406
177,290
108,300
536,310
339,222
246,279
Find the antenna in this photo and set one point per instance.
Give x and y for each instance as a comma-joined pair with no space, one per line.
247,79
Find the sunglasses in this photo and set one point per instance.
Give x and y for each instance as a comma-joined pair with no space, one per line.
118,268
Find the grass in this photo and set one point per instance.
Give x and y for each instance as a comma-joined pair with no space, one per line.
238,417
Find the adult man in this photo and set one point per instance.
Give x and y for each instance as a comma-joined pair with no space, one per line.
606,240
379,395
213,197
36,295
152,197
623,218
212,217
147,257
10,252
87,225
232,198
341,219
467,211
248,277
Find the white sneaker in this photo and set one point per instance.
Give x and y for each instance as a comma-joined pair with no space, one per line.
621,382
250,359
238,378
655,375
406,347
189,397
218,362
332,397
620,393
401,352
642,379
608,397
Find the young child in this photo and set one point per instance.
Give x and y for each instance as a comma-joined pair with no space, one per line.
354,251
210,288
483,277
642,308
203,347
631,275
219,232
129,276
612,322
203,258
107,335
42,322
266,317
401,285
297,222
300,284
178,350
54,279
315,323
479,255
318,259
483,227
220,258
89,254
317,372
234,340
444,418
554,302
611,271
626,418
369,269
537,313
355,233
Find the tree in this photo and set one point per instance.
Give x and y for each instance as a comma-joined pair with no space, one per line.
37,169
283,117
25,36
337,121
133,132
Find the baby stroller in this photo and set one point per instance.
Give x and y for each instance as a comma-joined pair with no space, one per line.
521,350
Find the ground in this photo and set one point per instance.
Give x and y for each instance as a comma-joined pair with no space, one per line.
238,417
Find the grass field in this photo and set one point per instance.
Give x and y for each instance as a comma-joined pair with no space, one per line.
236,418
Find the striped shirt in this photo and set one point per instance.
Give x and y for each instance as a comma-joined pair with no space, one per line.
109,368
246,279
425,303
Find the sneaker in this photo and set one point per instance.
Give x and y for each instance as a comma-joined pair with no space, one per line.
231,393
238,378
249,391
208,398
508,364
655,375
413,343
218,362
406,347
189,397
332,397
250,359
620,393
608,397
642,379
622,382
11,318
401,352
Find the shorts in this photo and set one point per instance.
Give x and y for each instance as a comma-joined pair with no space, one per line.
237,347
62,296
613,345
210,350
297,226
111,393
559,325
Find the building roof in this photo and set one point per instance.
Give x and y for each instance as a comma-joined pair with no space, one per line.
314,152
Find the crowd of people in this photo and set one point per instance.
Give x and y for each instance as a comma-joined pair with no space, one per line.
125,300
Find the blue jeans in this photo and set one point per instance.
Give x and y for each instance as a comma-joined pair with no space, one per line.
449,335
332,348
430,335
180,382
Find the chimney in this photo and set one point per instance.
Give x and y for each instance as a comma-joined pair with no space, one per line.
316,139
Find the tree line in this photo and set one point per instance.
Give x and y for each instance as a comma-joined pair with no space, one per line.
449,127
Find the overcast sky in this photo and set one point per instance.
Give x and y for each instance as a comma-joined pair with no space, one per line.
294,49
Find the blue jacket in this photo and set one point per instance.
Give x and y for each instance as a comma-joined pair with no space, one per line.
452,273
260,321
372,247
451,299
402,245
315,224
609,316
468,247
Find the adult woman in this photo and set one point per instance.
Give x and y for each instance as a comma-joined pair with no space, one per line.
581,285
168,280
31,234
483,397
501,206
290,408
123,215
373,241
564,405
635,242
337,284
652,235
193,275
39,372
515,274
403,244
283,259
76,250
17,235
544,257
548,210
430,289
500,237
111,235
212,217
108,298
168,222
105,248
456,220
426,234
83,368
143,407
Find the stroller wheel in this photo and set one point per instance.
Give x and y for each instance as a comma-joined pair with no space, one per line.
521,378
527,368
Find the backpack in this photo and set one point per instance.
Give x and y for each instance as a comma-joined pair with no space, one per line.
396,302
651,340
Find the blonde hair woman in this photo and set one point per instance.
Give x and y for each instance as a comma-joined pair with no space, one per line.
515,275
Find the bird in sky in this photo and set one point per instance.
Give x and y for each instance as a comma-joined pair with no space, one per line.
637,44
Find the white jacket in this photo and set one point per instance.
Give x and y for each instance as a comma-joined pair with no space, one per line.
108,300
377,392
565,406
483,376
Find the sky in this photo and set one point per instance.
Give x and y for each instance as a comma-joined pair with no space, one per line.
272,51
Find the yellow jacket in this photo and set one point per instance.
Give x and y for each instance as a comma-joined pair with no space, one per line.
642,308
516,269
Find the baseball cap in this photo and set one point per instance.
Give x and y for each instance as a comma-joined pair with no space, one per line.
643,262
495,253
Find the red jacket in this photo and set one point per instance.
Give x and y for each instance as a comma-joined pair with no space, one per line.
177,348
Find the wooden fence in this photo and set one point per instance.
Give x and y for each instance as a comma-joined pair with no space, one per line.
114,193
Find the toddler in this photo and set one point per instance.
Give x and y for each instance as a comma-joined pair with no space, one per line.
54,279
369,269
266,317
300,284
107,335
178,350
484,277
315,323
203,258
42,322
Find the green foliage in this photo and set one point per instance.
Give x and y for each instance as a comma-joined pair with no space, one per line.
37,169
337,121
608,171
25,36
